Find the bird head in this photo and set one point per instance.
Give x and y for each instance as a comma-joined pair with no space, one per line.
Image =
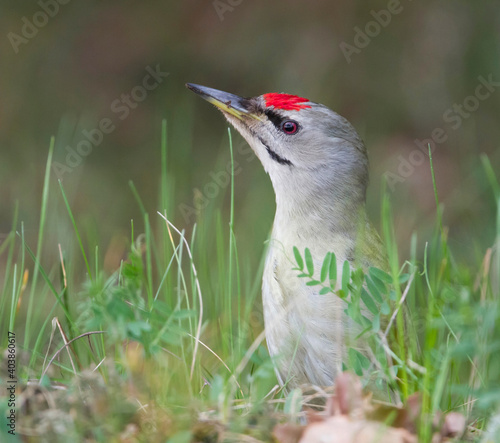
306,148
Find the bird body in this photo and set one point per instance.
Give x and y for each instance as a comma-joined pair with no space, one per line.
318,166
310,328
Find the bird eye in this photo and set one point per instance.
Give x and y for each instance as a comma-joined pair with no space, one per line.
290,127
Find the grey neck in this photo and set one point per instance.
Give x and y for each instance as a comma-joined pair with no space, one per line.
317,208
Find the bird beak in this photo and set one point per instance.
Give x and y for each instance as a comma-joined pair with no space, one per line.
235,105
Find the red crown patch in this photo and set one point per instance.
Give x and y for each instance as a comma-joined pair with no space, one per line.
286,102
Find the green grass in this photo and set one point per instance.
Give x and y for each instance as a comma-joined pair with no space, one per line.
172,334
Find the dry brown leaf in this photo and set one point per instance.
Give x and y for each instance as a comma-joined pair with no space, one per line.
288,433
454,425
351,416
340,429
349,393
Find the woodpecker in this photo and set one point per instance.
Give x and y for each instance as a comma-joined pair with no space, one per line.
318,166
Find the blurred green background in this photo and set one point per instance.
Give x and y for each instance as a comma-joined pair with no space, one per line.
61,75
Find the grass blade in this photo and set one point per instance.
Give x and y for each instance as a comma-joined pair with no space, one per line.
39,246
73,222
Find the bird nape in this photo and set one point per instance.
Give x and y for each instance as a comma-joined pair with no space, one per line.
318,166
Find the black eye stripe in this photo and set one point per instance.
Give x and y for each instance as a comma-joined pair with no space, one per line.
278,121
275,156
274,117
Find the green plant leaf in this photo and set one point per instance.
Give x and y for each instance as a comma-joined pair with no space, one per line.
332,272
381,275
45,382
354,362
369,302
354,312
403,278
357,277
358,361
366,323
298,258
376,323
309,262
325,290
385,308
365,362
346,276
325,267
313,283
374,290
137,327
